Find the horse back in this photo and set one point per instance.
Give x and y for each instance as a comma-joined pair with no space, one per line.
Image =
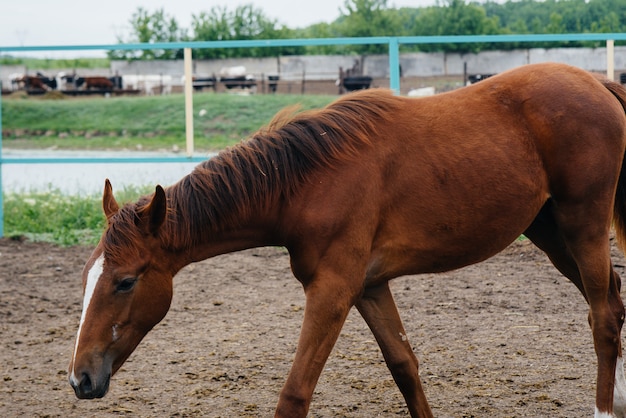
474,165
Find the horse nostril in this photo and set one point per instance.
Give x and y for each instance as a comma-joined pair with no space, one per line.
85,384
84,387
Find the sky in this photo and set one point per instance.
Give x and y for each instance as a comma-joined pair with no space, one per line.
72,22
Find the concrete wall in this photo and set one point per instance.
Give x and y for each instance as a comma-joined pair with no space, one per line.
315,67
318,67
440,64
159,67
326,67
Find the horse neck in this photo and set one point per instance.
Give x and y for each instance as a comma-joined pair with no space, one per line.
201,225
252,234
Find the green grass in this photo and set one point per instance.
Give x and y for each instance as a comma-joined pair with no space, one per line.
147,122
54,217
54,64
115,123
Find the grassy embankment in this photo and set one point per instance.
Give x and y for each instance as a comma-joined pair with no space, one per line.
147,123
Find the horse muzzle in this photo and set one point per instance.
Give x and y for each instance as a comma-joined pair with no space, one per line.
88,386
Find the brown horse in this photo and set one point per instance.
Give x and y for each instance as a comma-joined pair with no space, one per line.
372,187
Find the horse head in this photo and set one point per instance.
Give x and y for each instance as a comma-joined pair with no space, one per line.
127,291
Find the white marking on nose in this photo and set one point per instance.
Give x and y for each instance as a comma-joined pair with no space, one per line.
92,280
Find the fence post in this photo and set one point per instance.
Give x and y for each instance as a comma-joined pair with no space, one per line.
394,65
610,59
188,101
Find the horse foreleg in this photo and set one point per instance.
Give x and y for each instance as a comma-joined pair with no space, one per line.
379,311
328,302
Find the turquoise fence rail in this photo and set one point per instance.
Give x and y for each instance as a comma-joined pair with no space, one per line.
393,43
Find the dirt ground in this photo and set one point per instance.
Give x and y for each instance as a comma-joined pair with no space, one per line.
506,338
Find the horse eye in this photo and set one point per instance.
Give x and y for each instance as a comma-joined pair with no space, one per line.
126,285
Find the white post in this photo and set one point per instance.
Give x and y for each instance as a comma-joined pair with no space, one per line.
188,102
610,59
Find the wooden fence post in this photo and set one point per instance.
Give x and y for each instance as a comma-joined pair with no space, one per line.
188,102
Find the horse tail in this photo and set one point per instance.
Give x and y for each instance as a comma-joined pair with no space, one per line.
619,208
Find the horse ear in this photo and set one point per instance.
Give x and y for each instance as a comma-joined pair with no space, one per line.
156,210
109,204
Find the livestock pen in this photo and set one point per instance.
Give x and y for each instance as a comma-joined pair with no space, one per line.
393,44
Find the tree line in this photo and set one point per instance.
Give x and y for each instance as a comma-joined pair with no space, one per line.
365,18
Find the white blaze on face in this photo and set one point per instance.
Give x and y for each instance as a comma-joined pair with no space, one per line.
92,280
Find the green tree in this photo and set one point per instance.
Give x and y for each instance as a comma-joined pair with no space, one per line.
456,18
155,27
367,18
556,24
559,16
371,18
321,30
244,23
610,23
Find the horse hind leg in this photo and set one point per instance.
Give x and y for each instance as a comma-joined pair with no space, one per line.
379,310
585,260
545,234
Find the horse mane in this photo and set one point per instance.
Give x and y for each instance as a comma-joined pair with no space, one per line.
244,179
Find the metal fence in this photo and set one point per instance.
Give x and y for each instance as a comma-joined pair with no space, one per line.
393,44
